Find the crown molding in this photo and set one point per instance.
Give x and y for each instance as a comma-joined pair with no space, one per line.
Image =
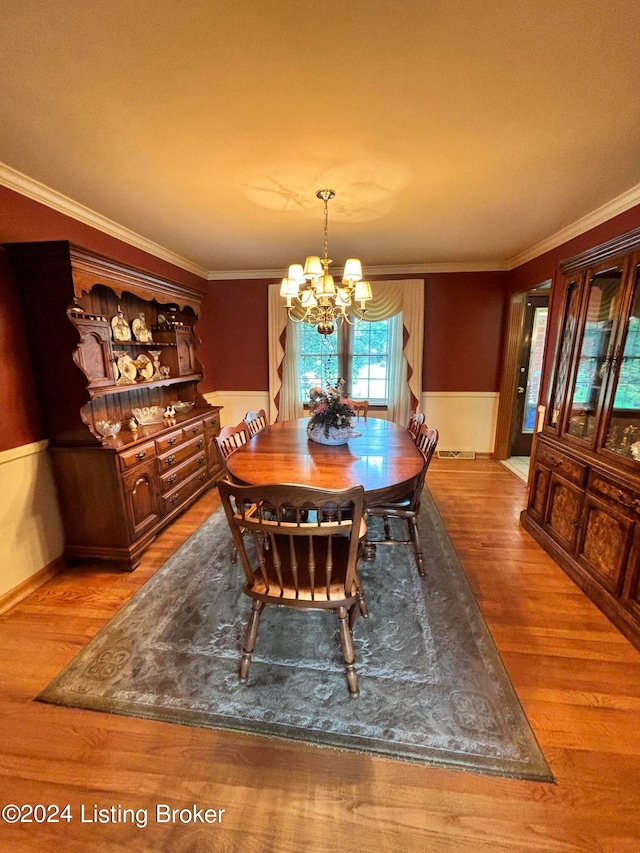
607,211
20,183
397,269
33,189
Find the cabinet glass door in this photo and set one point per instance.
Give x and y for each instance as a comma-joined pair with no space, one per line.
595,358
564,352
623,428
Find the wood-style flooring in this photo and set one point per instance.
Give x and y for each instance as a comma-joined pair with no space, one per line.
576,676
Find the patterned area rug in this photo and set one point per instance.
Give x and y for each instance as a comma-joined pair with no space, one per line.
432,686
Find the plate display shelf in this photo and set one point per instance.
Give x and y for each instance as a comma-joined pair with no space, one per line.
117,493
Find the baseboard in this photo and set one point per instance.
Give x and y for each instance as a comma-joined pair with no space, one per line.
23,590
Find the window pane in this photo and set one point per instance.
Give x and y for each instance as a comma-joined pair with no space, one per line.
369,368
318,359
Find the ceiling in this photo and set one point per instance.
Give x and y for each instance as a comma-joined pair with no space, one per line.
453,131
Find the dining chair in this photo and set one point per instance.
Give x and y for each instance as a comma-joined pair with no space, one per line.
361,407
231,438
314,542
255,421
415,422
407,508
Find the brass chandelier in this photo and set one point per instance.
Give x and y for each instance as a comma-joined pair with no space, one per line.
323,302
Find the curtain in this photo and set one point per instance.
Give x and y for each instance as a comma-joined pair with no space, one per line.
284,356
403,300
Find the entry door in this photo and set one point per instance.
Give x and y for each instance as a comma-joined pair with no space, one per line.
528,375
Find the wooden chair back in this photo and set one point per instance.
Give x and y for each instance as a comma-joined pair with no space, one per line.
361,407
255,421
304,554
415,422
231,438
311,536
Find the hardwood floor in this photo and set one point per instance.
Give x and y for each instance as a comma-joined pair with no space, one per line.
576,676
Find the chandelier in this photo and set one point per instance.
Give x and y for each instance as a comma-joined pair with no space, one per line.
323,302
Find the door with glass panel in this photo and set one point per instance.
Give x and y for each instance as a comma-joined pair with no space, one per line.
529,371
595,358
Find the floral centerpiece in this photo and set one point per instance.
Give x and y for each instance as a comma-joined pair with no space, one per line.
331,413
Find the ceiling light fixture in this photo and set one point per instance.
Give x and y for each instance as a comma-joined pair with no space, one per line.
323,302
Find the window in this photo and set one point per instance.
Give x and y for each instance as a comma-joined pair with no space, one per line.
360,354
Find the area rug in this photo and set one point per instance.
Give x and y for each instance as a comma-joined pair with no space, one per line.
432,686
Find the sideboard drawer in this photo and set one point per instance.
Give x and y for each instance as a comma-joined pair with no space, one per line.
618,494
175,476
136,455
173,458
563,465
213,422
169,441
192,430
176,498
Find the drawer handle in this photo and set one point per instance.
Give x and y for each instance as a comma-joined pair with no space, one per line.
171,441
553,460
174,499
202,475
195,430
171,479
200,460
630,503
140,456
170,460
199,443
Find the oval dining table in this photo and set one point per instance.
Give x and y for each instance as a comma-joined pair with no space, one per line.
384,459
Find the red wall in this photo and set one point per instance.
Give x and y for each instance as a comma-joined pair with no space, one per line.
234,321
464,317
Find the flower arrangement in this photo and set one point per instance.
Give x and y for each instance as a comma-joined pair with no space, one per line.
330,408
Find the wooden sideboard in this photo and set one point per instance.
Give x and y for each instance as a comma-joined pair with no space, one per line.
115,493
584,493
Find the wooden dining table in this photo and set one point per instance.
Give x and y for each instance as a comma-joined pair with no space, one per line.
384,459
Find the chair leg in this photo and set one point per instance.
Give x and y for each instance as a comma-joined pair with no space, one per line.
250,639
416,541
347,650
362,601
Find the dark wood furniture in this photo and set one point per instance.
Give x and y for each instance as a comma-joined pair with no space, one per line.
415,422
584,495
406,509
307,543
116,493
256,420
384,459
230,438
361,407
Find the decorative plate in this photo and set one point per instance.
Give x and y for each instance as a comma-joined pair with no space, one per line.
145,366
128,368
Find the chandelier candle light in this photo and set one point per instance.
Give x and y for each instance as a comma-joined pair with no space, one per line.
325,303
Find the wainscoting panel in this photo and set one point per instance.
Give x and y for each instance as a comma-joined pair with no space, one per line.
466,420
30,526
237,403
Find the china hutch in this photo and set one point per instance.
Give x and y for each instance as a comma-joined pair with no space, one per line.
131,437
584,493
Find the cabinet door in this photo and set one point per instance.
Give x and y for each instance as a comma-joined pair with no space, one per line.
94,354
564,351
590,372
538,492
622,429
563,512
141,496
213,457
605,540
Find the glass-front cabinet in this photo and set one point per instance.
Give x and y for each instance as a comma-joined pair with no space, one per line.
584,486
595,355
622,430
